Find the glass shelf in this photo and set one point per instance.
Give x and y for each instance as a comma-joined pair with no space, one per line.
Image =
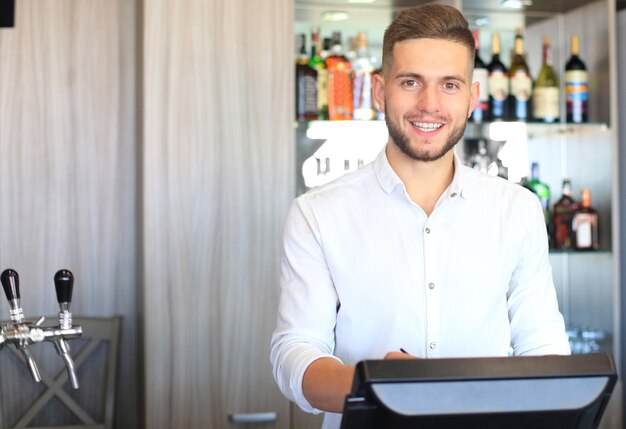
580,252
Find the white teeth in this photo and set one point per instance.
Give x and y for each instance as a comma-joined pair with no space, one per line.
426,126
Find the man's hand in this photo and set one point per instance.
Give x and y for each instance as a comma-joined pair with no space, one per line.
326,382
399,355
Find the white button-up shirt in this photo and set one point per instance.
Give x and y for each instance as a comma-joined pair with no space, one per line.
365,271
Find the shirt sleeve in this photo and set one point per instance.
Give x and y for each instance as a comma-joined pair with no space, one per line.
537,326
308,305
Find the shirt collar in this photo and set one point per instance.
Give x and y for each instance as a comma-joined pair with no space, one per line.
388,178
459,181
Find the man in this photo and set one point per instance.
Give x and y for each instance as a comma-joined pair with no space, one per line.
413,251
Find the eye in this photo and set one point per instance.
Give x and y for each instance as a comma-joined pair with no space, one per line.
450,86
410,83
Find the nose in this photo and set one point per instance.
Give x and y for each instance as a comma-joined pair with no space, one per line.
428,99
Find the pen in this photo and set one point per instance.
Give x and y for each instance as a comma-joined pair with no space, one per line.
403,351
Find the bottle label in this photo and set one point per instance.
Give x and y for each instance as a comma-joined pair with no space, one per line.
546,103
521,86
521,89
322,89
481,76
340,105
498,93
583,231
577,93
362,93
562,224
306,103
498,86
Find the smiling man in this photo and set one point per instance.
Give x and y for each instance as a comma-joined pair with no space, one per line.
415,250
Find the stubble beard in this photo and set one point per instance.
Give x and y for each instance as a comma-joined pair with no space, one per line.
403,142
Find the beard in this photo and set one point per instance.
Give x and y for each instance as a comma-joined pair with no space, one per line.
403,142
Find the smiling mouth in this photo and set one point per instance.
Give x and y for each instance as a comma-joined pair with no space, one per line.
427,127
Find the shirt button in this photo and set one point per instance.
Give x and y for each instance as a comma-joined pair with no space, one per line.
431,285
452,195
427,230
433,345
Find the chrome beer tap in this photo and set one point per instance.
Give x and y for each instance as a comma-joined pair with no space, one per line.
22,333
64,285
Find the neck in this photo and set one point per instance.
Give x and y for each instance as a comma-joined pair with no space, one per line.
424,181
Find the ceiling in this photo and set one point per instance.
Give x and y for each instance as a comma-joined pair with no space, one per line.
374,17
538,7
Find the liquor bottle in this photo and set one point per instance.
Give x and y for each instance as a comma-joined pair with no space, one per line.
546,93
585,224
340,105
481,160
362,80
317,63
576,86
306,85
498,83
521,82
481,76
562,216
539,188
325,49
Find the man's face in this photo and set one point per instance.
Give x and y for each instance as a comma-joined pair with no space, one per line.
427,96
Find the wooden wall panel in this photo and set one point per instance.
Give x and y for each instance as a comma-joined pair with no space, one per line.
217,179
621,79
68,169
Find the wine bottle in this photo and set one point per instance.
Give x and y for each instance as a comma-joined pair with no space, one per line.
546,92
562,216
521,82
362,80
317,63
576,86
585,224
481,75
306,85
498,83
340,105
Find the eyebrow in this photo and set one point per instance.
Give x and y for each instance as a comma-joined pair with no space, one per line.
418,76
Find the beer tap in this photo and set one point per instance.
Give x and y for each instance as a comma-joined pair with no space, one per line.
18,331
64,285
22,333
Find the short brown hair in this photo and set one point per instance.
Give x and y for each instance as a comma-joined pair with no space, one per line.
426,21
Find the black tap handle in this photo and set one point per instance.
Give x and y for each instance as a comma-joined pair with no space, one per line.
11,284
64,284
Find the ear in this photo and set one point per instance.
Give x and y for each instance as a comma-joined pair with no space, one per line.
474,93
378,90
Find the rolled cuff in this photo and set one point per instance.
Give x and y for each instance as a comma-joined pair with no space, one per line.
289,368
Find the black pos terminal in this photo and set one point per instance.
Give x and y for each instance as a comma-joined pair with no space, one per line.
534,392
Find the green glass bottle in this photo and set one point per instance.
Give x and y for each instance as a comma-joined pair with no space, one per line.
317,63
539,188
